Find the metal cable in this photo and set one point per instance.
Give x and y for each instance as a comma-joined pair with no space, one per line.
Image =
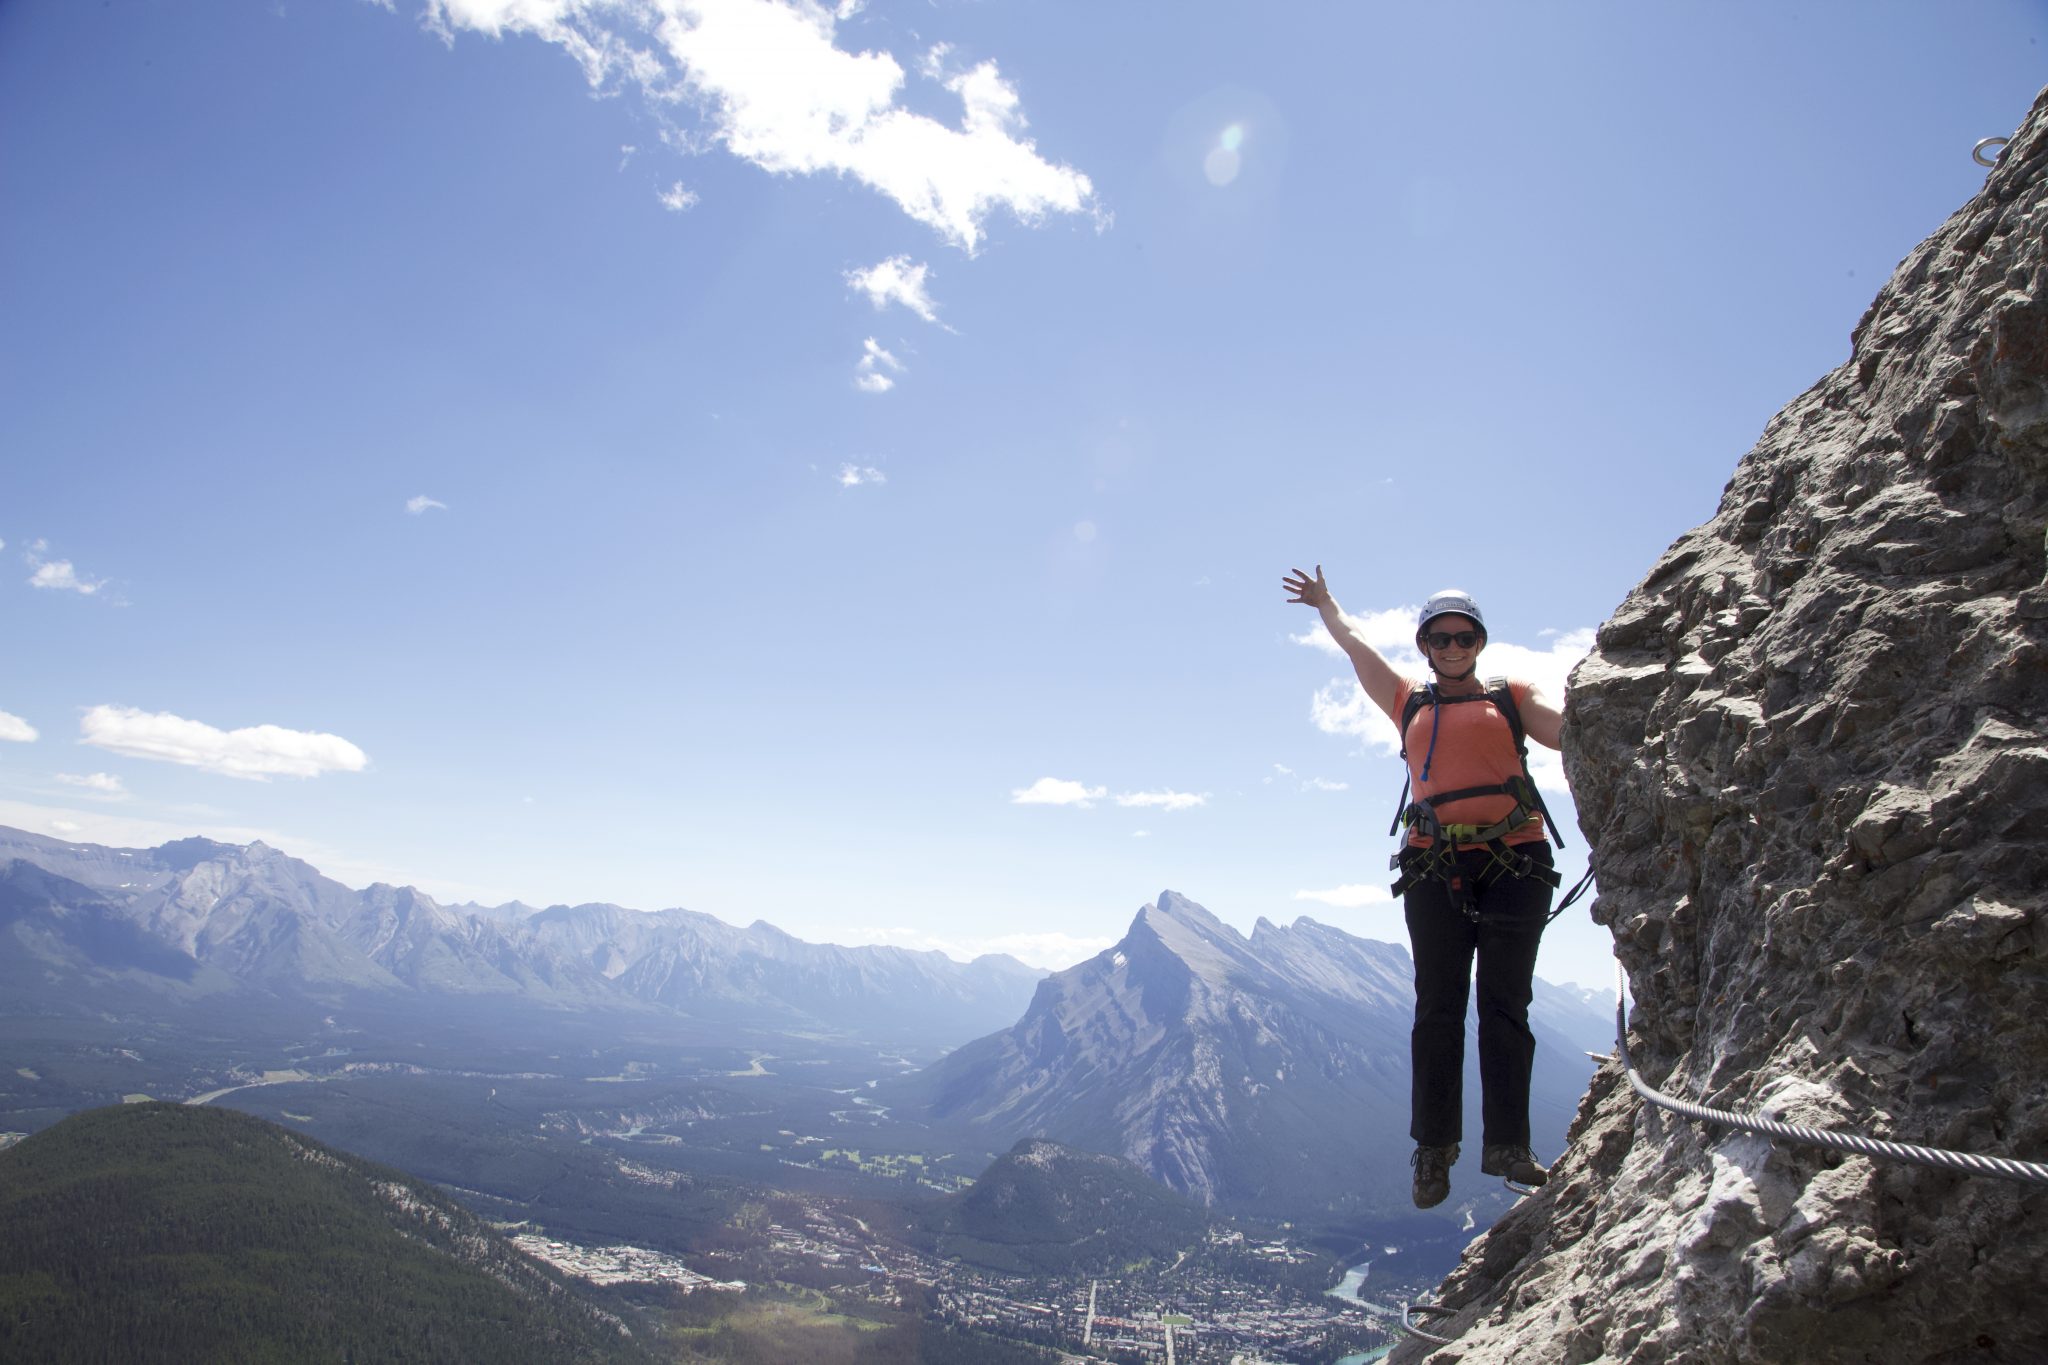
1965,1163
1412,1330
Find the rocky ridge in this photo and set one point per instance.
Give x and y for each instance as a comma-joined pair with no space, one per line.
198,917
1811,754
1262,1073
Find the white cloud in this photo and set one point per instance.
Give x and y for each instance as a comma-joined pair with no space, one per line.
13,727
1056,791
1391,632
678,198
100,784
775,90
1547,668
59,574
1546,769
258,752
1163,800
853,475
897,281
115,828
1354,896
1324,784
1341,706
421,503
869,376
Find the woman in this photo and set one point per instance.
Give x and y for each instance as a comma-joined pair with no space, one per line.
1476,879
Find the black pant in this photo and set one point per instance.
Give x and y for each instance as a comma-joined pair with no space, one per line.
1512,914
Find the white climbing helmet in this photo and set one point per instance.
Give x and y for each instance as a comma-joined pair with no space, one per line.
1449,602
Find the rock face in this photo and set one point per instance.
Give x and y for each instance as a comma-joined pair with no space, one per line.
1809,753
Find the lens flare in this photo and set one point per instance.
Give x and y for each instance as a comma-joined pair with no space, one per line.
1225,160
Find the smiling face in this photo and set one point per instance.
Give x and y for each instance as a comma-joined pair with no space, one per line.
1453,661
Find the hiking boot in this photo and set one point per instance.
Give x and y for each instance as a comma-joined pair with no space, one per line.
1511,1163
1433,1174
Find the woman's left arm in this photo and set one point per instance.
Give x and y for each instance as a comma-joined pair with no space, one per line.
1541,721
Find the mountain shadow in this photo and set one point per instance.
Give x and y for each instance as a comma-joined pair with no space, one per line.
161,1232
1044,1209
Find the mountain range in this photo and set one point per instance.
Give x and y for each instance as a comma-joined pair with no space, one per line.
194,919
1264,1074
1251,1074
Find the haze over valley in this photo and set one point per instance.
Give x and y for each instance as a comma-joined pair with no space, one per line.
595,1076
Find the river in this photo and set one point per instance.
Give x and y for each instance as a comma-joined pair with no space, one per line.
1348,1288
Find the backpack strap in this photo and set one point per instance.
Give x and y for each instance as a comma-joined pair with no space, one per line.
1410,709
1503,698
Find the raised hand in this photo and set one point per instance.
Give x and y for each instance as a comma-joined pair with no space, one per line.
1310,592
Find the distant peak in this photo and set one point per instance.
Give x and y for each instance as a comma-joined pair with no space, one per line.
1178,920
182,855
1176,906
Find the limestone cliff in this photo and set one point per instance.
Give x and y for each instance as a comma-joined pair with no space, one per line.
1809,754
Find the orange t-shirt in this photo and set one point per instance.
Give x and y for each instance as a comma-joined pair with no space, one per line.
1474,748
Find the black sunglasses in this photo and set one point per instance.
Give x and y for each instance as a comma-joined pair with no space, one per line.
1443,639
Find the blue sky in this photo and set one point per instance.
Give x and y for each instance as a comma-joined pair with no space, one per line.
738,454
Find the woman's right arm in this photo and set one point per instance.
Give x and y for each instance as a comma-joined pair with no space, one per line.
1381,683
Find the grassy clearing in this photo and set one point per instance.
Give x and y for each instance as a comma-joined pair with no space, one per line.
770,1326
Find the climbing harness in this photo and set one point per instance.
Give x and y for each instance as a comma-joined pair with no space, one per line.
1965,1163
1977,152
1440,858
